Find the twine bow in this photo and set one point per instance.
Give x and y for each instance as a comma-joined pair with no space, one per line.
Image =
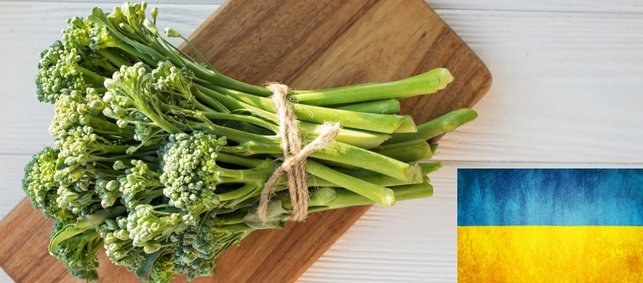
294,163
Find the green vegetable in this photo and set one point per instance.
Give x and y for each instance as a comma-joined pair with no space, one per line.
161,159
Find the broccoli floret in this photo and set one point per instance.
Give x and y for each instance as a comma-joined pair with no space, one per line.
75,109
196,252
78,253
158,267
77,33
79,167
188,256
158,98
133,99
118,245
175,83
140,185
163,269
148,228
190,173
107,191
41,187
76,244
57,71
128,18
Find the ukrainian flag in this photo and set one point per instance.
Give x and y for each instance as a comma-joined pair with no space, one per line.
550,225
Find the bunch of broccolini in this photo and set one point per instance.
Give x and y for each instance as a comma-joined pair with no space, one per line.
160,159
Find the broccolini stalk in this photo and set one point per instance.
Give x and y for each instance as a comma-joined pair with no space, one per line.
344,198
376,193
424,83
384,106
411,151
150,100
350,119
364,139
443,124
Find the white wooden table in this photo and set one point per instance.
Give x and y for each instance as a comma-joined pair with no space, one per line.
567,92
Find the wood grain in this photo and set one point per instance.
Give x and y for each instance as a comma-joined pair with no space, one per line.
306,44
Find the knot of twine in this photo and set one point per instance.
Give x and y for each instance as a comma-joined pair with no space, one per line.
294,163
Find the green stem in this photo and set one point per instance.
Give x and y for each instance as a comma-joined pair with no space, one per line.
443,124
411,151
84,223
241,118
363,139
428,82
241,160
91,74
430,167
345,198
113,58
227,82
382,123
255,175
376,193
336,152
239,194
102,124
384,106
318,197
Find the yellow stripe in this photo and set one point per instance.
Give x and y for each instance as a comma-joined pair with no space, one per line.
550,254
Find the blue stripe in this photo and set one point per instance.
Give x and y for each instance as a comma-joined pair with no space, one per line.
561,197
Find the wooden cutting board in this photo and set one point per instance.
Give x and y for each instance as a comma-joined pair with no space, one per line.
305,44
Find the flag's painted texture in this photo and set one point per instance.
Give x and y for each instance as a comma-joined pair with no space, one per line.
612,197
550,225
550,254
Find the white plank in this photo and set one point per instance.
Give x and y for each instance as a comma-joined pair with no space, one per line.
567,87
150,3
11,172
4,278
617,6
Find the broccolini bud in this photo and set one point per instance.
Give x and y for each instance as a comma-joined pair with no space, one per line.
140,185
40,186
148,228
175,83
128,17
78,253
195,253
133,98
73,109
108,191
190,173
118,245
189,259
163,269
77,33
56,71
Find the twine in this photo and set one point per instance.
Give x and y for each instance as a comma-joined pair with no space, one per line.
294,164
